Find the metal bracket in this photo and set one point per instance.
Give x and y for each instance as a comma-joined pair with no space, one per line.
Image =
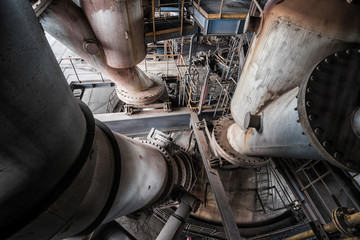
215,162
159,137
201,124
318,230
167,107
128,109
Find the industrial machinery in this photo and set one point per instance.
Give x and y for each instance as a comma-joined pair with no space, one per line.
258,135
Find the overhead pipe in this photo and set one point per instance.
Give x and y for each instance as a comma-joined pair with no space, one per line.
62,173
110,36
292,49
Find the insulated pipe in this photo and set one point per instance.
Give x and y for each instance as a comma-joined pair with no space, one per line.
42,128
279,135
60,174
294,37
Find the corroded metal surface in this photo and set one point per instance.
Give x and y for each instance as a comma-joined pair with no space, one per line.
119,27
294,37
113,47
225,150
146,96
281,134
327,102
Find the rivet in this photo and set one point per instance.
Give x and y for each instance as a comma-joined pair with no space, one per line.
308,103
337,54
318,68
317,131
312,117
326,143
309,90
348,51
327,60
312,78
337,155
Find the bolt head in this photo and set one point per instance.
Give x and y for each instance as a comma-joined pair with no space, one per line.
326,143
337,155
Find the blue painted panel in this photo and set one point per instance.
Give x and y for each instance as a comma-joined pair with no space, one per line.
224,26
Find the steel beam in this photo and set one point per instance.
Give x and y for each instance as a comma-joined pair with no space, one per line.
217,187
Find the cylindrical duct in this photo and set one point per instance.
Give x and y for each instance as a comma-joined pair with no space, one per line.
144,176
119,27
42,127
281,134
60,175
115,46
294,37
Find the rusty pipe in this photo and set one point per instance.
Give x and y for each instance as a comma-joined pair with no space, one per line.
352,220
294,37
66,22
119,27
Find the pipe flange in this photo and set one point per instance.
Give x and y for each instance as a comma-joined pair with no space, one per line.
338,217
190,175
226,151
150,95
328,103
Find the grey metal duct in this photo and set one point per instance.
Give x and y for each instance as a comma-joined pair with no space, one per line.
280,134
110,36
295,40
60,173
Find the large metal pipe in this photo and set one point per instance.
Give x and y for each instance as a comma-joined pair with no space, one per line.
119,27
280,133
42,127
60,173
113,49
293,39
293,49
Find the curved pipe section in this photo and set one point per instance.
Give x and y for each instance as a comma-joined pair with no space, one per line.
110,39
119,27
293,39
61,174
281,134
42,127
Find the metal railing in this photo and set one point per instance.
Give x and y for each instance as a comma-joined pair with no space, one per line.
76,69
